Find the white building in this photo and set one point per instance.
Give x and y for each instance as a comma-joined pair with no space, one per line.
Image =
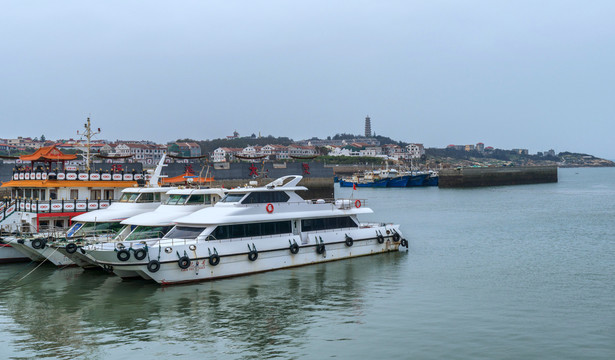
415,151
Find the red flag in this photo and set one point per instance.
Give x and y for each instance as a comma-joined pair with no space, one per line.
354,186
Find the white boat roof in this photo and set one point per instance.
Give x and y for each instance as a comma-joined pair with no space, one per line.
116,212
148,190
163,215
189,191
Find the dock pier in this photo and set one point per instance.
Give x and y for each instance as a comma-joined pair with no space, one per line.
496,176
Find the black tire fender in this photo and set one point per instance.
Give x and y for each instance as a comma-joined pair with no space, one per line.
123,255
140,254
214,259
294,248
253,255
183,262
71,248
153,266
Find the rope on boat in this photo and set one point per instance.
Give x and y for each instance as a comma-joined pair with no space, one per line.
39,265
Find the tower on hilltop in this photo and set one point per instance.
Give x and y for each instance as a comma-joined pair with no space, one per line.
368,127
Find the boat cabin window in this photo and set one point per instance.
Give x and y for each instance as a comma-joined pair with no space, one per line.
327,223
198,199
148,232
74,194
28,193
128,197
184,232
177,199
232,198
250,230
146,197
53,194
266,197
91,228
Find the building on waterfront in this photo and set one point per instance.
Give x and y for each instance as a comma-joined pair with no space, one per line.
147,154
368,127
480,147
189,149
521,151
415,151
225,154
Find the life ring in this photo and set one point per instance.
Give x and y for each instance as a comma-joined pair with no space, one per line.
214,259
71,248
153,266
349,241
123,255
183,262
269,208
294,248
253,255
404,243
357,204
320,248
380,239
140,254
396,237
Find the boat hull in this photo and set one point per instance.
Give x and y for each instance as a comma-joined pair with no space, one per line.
8,254
273,254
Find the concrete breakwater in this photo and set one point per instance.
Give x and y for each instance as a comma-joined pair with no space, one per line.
496,176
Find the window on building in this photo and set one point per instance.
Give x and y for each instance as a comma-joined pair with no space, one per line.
94,194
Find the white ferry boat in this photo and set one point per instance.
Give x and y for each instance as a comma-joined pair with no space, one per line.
251,230
145,226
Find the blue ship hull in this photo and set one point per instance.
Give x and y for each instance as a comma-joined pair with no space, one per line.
417,180
377,183
399,181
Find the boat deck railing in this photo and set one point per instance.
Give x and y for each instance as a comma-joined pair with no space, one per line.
339,203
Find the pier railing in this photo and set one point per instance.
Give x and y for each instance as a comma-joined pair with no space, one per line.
53,206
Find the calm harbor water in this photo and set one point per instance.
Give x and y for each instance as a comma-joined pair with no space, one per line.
516,272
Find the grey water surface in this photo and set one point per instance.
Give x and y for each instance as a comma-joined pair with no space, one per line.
515,272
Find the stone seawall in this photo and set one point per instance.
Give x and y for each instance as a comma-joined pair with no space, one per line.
496,176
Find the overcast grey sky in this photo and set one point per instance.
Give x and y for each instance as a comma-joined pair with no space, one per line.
511,74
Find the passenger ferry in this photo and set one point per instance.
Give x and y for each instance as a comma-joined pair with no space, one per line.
251,230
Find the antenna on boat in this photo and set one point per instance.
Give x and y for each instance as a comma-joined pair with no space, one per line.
88,135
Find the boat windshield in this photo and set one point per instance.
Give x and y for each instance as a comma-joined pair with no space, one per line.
184,232
129,197
148,232
232,197
177,199
92,228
